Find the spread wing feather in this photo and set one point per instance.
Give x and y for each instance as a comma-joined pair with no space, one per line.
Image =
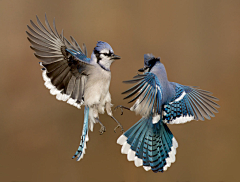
189,103
149,95
65,65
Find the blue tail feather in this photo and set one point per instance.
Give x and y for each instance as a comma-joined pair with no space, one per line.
137,136
145,150
80,151
140,145
165,145
152,143
160,157
166,149
168,135
153,151
129,131
139,151
134,131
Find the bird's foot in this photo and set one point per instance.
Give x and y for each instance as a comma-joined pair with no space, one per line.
102,129
119,126
121,107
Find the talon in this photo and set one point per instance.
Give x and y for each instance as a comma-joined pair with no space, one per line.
102,130
118,126
119,106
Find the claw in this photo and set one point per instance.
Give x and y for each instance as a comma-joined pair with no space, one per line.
121,107
119,126
103,129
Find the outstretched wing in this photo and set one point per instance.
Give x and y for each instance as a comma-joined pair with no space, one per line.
149,95
189,103
65,64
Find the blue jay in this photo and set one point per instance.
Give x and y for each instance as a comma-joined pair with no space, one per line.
150,142
73,77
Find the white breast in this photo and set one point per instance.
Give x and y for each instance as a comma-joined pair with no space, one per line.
97,86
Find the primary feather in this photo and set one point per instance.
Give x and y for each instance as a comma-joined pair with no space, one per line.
150,143
73,77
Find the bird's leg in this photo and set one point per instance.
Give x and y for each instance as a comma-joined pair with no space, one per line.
121,107
109,112
103,128
118,126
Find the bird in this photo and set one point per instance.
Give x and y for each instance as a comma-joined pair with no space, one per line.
73,77
150,143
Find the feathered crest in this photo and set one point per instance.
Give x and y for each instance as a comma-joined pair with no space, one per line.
149,58
101,46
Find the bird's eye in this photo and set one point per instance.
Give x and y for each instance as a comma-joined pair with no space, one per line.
105,54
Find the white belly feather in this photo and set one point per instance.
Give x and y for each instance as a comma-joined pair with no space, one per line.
97,87
96,93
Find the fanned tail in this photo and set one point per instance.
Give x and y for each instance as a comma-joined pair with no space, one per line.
84,138
152,146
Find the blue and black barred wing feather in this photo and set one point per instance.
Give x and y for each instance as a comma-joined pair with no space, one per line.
150,147
64,64
189,103
149,94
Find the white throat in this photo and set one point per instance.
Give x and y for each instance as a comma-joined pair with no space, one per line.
106,63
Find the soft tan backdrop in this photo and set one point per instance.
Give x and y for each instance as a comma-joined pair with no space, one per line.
199,43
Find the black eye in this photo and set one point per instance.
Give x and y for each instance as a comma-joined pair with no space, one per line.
105,54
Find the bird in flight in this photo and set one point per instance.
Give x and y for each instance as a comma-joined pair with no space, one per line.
150,143
73,77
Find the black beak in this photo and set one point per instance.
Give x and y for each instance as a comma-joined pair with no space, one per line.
114,56
143,69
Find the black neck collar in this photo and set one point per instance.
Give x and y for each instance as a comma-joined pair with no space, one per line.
106,69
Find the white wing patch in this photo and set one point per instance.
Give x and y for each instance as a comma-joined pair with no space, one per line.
179,98
180,120
59,95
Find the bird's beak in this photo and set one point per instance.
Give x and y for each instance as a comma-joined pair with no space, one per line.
114,56
143,69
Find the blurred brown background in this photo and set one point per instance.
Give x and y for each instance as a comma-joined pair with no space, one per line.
199,43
